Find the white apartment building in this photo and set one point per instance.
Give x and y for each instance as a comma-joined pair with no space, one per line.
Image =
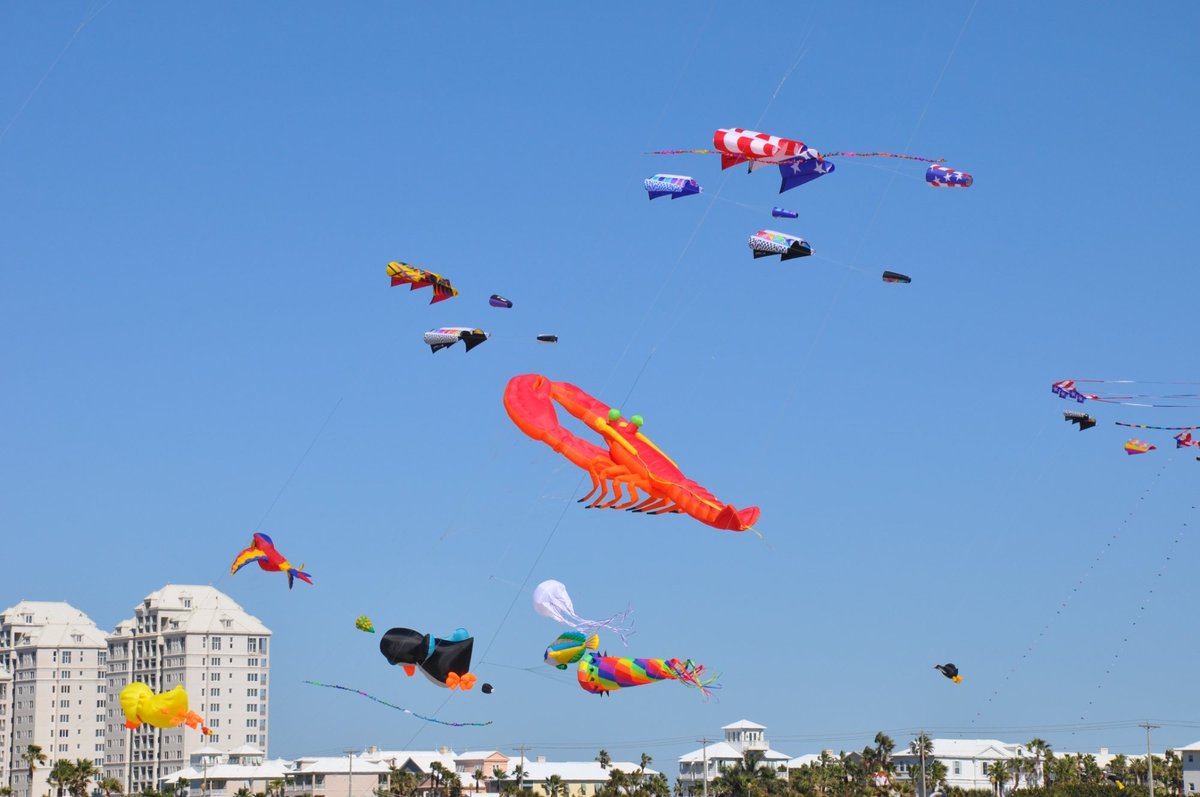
52,694
741,737
200,638
967,762
1190,757
5,743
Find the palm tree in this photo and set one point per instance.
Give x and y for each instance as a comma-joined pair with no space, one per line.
60,776
658,786
739,779
519,774
437,775
275,787
883,752
111,786
554,786
998,775
605,759
83,772
6,791
33,758
1041,752
922,747
243,792
646,761
499,775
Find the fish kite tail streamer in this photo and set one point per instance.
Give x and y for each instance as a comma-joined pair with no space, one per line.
691,674
883,155
399,708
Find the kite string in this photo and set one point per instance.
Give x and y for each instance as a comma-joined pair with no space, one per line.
1119,648
399,708
1064,604
554,530
79,29
299,462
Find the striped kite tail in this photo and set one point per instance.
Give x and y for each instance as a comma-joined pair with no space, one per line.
691,674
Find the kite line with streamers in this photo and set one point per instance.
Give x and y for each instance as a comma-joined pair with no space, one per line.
400,708
1159,428
826,155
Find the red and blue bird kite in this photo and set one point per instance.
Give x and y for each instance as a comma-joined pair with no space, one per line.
262,550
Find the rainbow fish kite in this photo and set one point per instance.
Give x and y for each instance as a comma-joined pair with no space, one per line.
262,550
601,674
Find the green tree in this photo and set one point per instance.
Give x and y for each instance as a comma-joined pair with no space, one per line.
437,775
477,776
739,780
922,748
1041,752
657,785
60,776
605,759
111,786
400,783
243,792
33,758
935,776
500,776
83,772
998,775
519,774
554,786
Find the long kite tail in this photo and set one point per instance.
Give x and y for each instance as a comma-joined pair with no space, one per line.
882,155
399,708
692,674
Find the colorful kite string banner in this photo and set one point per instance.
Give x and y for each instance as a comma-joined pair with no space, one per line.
400,708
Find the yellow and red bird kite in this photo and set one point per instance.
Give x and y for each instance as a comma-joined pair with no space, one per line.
262,550
402,273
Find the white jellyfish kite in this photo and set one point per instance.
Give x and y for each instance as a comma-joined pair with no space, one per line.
550,599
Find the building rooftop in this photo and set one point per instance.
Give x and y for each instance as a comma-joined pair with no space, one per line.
196,609
743,725
725,751
52,624
968,748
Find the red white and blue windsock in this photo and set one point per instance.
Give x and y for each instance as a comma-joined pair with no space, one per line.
737,145
940,176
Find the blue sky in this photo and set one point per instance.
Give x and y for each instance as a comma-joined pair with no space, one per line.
197,205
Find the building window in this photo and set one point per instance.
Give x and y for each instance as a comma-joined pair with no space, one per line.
957,767
66,657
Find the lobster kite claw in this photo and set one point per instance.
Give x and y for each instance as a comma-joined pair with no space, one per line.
631,463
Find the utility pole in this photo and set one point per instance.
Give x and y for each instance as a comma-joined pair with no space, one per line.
521,771
350,779
921,745
704,749
1149,755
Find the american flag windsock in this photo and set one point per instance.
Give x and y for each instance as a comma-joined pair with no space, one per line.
738,146
940,176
